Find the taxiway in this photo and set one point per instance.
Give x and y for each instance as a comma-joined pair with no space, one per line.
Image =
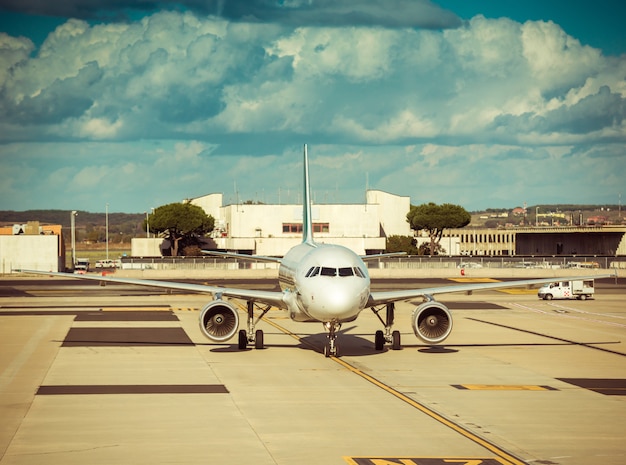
120,374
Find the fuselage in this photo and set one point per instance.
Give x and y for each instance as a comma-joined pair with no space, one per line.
327,283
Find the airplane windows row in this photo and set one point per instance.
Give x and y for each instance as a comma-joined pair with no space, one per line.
325,271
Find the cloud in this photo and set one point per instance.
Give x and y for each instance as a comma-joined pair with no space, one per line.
391,13
597,115
178,75
178,97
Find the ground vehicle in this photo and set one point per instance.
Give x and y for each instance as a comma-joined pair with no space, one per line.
106,264
575,289
81,266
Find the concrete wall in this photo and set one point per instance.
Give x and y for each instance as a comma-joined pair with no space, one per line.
148,247
392,212
38,252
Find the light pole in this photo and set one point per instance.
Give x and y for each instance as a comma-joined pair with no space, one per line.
148,222
73,229
107,229
536,216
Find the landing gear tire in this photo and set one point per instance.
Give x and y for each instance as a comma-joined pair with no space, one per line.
258,339
243,339
379,340
330,350
395,340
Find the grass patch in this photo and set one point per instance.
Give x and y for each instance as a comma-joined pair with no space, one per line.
95,252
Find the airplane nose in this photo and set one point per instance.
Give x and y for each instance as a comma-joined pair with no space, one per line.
335,302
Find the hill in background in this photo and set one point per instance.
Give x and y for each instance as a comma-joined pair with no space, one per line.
90,227
124,226
549,215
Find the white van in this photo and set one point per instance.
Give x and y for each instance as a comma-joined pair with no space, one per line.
81,266
106,264
576,289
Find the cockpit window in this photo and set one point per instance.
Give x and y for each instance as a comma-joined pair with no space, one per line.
343,272
359,272
329,271
313,271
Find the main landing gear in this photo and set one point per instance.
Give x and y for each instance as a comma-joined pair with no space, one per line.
388,336
330,348
251,335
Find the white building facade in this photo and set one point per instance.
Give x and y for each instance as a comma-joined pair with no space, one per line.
31,252
273,229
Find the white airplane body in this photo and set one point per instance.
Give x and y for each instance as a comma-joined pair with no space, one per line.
321,283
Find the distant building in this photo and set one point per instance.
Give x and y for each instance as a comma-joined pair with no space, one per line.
273,229
32,246
541,241
598,219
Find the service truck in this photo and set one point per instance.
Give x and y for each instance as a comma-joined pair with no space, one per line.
81,266
575,289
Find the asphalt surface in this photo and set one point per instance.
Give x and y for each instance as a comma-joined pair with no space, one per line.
121,374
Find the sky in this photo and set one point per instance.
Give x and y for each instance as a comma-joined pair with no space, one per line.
133,104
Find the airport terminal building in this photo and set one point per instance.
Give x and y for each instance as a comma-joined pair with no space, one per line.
273,229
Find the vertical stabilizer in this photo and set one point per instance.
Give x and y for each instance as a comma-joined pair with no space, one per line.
307,226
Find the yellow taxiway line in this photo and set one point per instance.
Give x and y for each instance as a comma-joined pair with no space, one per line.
507,458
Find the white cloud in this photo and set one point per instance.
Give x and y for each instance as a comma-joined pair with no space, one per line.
557,61
175,73
13,52
98,128
355,54
181,95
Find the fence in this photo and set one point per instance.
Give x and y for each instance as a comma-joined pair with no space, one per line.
409,262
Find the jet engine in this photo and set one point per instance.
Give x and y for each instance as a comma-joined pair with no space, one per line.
219,320
432,322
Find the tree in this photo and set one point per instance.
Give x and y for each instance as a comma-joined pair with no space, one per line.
406,244
181,223
435,219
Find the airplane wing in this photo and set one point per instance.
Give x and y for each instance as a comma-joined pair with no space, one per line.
383,297
272,298
260,258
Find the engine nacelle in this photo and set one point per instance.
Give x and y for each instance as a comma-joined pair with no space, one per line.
219,320
432,322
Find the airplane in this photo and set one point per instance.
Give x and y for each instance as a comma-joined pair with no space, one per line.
321,283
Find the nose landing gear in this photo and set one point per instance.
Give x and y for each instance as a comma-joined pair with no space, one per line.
330,348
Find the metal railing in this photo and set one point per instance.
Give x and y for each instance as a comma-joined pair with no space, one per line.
409,262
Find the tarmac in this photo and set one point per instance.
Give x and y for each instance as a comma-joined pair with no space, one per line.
120,374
